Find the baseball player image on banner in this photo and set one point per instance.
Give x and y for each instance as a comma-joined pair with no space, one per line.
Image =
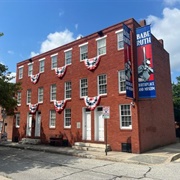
146,84
127,61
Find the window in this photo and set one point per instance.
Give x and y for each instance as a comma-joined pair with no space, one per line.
52,120
102,84
41,65
21,72
19,98
54,61
68,90
122,81
53,92
68,56
40,94
17,120
67,118
125,117
28,100
30,69
120,43
83,51
101,46
83,87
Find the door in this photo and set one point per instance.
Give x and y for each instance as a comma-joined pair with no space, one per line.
38,124
87,124
29,125
99,123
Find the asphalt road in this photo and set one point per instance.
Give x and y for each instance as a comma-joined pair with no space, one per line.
18,164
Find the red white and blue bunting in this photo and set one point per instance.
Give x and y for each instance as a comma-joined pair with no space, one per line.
60,71
33,107
59,105
34,78
92,102
92,63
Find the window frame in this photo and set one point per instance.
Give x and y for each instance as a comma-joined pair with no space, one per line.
68,56
52,118
99,85
121,81
67,119
128,115
30,70
54,60
68,89
40,94
41,65
19,98
100,47
17,125
53,93
83,87
28,96
120,39
83,55
20,74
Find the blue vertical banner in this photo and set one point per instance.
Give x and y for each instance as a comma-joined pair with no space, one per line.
146,84
127,61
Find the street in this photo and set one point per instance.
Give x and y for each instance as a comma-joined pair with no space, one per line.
18,164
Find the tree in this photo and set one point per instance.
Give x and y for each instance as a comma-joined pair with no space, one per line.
8,90
176,99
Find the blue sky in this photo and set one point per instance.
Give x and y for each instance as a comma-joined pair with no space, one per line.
32,27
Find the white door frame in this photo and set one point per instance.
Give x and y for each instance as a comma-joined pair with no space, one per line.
99,125
38,124
86,124
29,125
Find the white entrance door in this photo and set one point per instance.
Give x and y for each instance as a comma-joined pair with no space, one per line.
38,124
29,125
99,134
87,125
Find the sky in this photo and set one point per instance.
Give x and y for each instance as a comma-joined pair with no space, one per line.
32,27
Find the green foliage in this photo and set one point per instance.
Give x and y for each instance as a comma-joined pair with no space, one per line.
8,90
176,98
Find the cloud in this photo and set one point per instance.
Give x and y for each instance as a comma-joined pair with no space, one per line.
61,13
55,40
76,26
10,52
167,28
171,2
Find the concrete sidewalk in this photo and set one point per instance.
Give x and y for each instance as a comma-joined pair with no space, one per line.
160,155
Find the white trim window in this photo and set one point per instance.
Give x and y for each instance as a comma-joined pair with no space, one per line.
68,90
21,72
102,84
18,98
101,46
53,92
67,118
40,94
54,61
41,65
30,69
68,56
17,120
83,51
120,42
122,81
29,92
83,87
125,116
52,119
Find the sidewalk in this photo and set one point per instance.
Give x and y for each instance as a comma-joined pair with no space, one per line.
161,155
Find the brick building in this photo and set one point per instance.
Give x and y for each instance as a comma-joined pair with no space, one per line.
65,89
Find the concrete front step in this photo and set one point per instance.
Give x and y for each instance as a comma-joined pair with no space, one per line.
91,146
30,141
